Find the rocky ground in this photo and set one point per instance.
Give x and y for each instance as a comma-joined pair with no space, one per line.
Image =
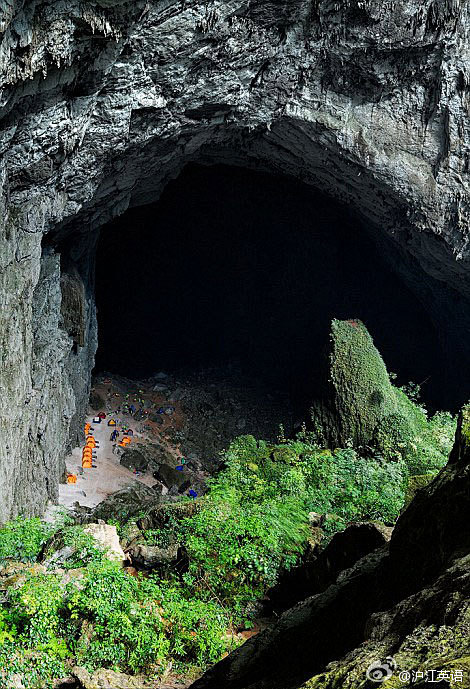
175,422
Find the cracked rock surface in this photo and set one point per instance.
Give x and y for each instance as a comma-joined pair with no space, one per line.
101,103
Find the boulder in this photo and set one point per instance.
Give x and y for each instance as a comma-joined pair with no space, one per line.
172,479
133,459
152,556
97,402
15,574
125,503
318,570
106,536
57,553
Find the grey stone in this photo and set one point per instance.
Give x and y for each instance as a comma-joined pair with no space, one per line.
125,503
172,478
133,459
151,556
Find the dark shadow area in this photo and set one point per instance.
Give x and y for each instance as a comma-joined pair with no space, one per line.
245,269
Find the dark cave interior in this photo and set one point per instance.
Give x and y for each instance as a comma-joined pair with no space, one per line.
244,271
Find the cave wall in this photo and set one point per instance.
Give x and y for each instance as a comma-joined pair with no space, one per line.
103,102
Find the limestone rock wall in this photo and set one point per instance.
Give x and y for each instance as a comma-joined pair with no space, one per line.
101,103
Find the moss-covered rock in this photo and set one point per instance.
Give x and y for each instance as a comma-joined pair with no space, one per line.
415,483
360,393
361,407
422,654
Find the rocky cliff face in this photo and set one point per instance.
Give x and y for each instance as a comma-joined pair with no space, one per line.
103,102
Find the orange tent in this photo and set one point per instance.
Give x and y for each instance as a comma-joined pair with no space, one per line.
86,462
87,453
91,443
71,478
87,428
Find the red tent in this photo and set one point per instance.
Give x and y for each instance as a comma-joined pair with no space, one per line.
102,415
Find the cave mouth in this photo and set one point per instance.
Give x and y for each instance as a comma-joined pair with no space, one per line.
242,271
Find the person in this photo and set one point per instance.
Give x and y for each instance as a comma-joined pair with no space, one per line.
114,435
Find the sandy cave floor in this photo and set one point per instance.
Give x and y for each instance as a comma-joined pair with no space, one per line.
96,484
201,415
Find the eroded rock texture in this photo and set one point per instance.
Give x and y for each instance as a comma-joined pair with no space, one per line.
102,102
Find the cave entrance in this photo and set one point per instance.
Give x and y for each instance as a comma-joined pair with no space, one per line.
243,271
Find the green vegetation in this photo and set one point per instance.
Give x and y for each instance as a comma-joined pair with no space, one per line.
252,524
362,407
22,539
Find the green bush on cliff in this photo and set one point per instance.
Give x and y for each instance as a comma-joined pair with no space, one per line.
423,442
21,539
314,479
361,406
104,617
238,542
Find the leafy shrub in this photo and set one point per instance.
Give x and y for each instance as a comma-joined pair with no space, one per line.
7,628
107,618
120,633
37,669
196,629
339,482
424,443
237,546
34,610
354,488
21,539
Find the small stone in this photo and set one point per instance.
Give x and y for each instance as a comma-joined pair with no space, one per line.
314,518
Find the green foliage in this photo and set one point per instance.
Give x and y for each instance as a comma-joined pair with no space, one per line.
423,443
85,547
196,629
107,618
37,669
116,629
7,628
340,482
21,539
237,546
34,610
354,488
250,526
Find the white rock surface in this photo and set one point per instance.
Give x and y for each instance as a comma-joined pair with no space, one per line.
106,536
